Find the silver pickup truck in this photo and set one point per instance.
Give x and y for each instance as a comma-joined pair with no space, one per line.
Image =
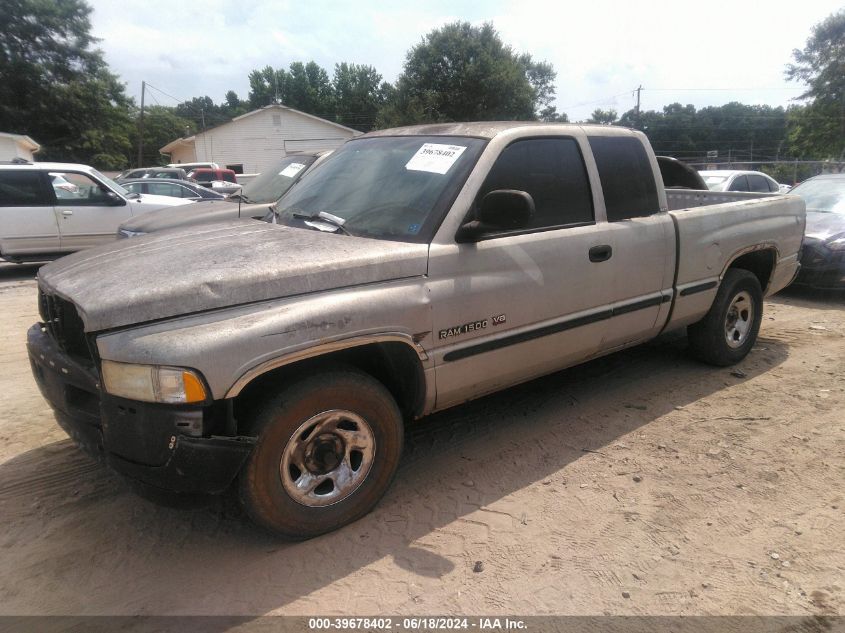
420,268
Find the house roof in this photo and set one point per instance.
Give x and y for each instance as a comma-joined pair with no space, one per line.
189,140
24,140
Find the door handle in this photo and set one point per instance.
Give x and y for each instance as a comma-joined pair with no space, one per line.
67,212
600,253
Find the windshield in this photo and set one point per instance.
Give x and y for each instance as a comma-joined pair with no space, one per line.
271,184
395,188
825,195
714,183
111,183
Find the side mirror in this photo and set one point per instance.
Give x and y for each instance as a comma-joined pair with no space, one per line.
113,199
500,210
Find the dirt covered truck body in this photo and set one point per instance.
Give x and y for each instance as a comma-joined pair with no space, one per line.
420,268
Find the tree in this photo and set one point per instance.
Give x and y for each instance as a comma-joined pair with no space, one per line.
307,88
233,106
819,128
604,117
462,72
265,85
161,125
359,93
56,88
203,113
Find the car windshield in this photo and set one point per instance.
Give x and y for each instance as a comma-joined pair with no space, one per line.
272,184
825,195
395,188
714,183
111,183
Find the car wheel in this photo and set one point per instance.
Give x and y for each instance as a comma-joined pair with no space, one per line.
328,447
728,331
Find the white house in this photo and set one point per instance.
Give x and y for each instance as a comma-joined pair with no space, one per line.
17,146
253,141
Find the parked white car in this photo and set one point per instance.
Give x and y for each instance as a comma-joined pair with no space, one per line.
739,180
50,209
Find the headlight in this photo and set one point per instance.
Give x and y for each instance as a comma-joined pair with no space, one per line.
127,233
152,383
837,244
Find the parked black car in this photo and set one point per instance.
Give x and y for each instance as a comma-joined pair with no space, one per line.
823,255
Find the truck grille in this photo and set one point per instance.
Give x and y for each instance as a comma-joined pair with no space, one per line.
64,325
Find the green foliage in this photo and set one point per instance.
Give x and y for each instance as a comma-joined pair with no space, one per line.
819,127
738,132
353,97
462,72
604,117
304,87
359,93
161,125
307,88
56,88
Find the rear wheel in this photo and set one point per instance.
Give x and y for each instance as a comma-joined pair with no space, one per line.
729,329
328,447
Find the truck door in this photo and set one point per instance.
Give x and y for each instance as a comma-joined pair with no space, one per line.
88,212
642,239
519,304
28,224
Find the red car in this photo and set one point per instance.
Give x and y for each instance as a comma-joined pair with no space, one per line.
220,180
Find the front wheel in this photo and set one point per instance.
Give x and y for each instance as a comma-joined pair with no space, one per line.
328,447
729,329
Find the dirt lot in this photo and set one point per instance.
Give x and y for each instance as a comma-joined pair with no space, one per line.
642,483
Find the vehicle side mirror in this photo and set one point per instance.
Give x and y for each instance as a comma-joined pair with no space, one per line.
500,210
113,199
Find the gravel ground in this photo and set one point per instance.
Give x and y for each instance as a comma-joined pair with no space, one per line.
640,483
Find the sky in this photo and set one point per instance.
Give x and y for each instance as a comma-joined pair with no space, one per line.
700,53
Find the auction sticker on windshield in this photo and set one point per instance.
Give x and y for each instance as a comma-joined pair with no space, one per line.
435,158
292,170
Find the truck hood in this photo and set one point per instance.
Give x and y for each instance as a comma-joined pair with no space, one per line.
197,213
823,226
226,264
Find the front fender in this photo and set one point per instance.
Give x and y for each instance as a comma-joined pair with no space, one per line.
232,346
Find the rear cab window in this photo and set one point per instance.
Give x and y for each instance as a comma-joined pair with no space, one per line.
627,178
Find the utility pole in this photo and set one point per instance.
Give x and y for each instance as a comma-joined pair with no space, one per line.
637,111
141,126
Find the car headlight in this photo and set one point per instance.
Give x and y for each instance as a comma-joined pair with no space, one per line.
837,244
153,383
127,233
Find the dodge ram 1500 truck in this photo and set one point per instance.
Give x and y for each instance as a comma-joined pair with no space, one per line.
420,268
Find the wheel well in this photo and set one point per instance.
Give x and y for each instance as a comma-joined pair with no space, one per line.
760,263
395,365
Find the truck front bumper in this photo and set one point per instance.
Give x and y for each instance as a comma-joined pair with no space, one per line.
146,442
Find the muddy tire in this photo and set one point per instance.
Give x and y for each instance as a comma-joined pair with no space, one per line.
328,448
729,330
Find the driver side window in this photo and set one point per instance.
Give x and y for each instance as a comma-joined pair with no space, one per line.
552,171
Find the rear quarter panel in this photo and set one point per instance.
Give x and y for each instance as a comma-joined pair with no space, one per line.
711,237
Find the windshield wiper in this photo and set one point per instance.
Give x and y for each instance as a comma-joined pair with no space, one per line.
243,197
323,216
